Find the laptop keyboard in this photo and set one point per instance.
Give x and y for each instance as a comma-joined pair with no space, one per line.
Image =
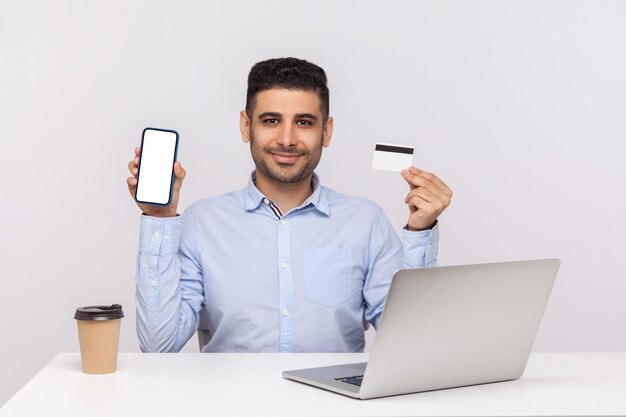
354,380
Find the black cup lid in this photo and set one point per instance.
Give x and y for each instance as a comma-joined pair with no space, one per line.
111,312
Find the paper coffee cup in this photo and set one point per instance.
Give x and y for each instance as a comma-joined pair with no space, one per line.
99,335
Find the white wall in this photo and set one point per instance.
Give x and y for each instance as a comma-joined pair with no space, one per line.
519,106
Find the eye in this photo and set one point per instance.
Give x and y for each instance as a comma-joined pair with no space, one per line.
304,123
270,121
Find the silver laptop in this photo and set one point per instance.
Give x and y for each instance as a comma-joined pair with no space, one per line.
448,327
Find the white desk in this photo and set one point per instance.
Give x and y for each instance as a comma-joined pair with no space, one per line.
577,384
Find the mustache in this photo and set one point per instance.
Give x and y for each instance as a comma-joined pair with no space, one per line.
280,149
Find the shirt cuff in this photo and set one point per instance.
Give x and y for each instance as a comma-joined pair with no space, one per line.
420,248
159,235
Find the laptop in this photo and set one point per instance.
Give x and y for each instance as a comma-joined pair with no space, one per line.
446,327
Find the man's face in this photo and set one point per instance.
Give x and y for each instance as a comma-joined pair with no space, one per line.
286,134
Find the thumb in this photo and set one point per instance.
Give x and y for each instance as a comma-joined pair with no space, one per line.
179,171
179,176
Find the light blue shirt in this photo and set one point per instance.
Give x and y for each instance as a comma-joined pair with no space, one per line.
307,282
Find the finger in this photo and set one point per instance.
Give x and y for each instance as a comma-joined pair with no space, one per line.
421,192
408,177
432,178
132,184
414,170
424,208
441,201
428,208
428,180
429,176
415,181
133,164
137,150
417,203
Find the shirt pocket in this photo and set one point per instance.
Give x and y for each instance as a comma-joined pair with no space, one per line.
327,275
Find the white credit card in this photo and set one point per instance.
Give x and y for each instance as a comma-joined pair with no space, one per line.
390,157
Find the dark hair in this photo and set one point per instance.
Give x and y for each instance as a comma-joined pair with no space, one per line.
289,73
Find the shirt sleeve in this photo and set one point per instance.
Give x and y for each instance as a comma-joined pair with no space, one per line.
387,254
420,248
169,284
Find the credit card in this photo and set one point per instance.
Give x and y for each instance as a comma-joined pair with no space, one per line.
391,157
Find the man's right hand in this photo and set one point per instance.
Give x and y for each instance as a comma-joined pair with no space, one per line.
149,209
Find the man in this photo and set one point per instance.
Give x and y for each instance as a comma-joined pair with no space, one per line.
285,264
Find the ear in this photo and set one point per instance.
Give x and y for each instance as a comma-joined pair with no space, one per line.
244,126
328,132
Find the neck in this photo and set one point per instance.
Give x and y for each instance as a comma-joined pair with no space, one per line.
286,196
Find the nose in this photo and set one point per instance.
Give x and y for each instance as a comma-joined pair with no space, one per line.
286,135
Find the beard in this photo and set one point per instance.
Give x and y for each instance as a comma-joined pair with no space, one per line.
285,173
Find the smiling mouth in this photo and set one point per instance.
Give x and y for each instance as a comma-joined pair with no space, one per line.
285,157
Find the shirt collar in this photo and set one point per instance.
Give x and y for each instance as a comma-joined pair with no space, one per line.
318,199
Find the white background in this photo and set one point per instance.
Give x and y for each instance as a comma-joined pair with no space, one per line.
519,106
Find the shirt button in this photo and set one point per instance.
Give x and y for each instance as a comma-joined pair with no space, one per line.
283,221
284,265
266,201
156,235
428,248
153,283
285,312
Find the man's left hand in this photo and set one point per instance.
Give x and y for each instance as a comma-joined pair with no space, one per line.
428,198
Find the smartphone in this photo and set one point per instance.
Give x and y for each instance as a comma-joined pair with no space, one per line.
155,179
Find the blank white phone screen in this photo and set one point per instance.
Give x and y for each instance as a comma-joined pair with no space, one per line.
155,170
